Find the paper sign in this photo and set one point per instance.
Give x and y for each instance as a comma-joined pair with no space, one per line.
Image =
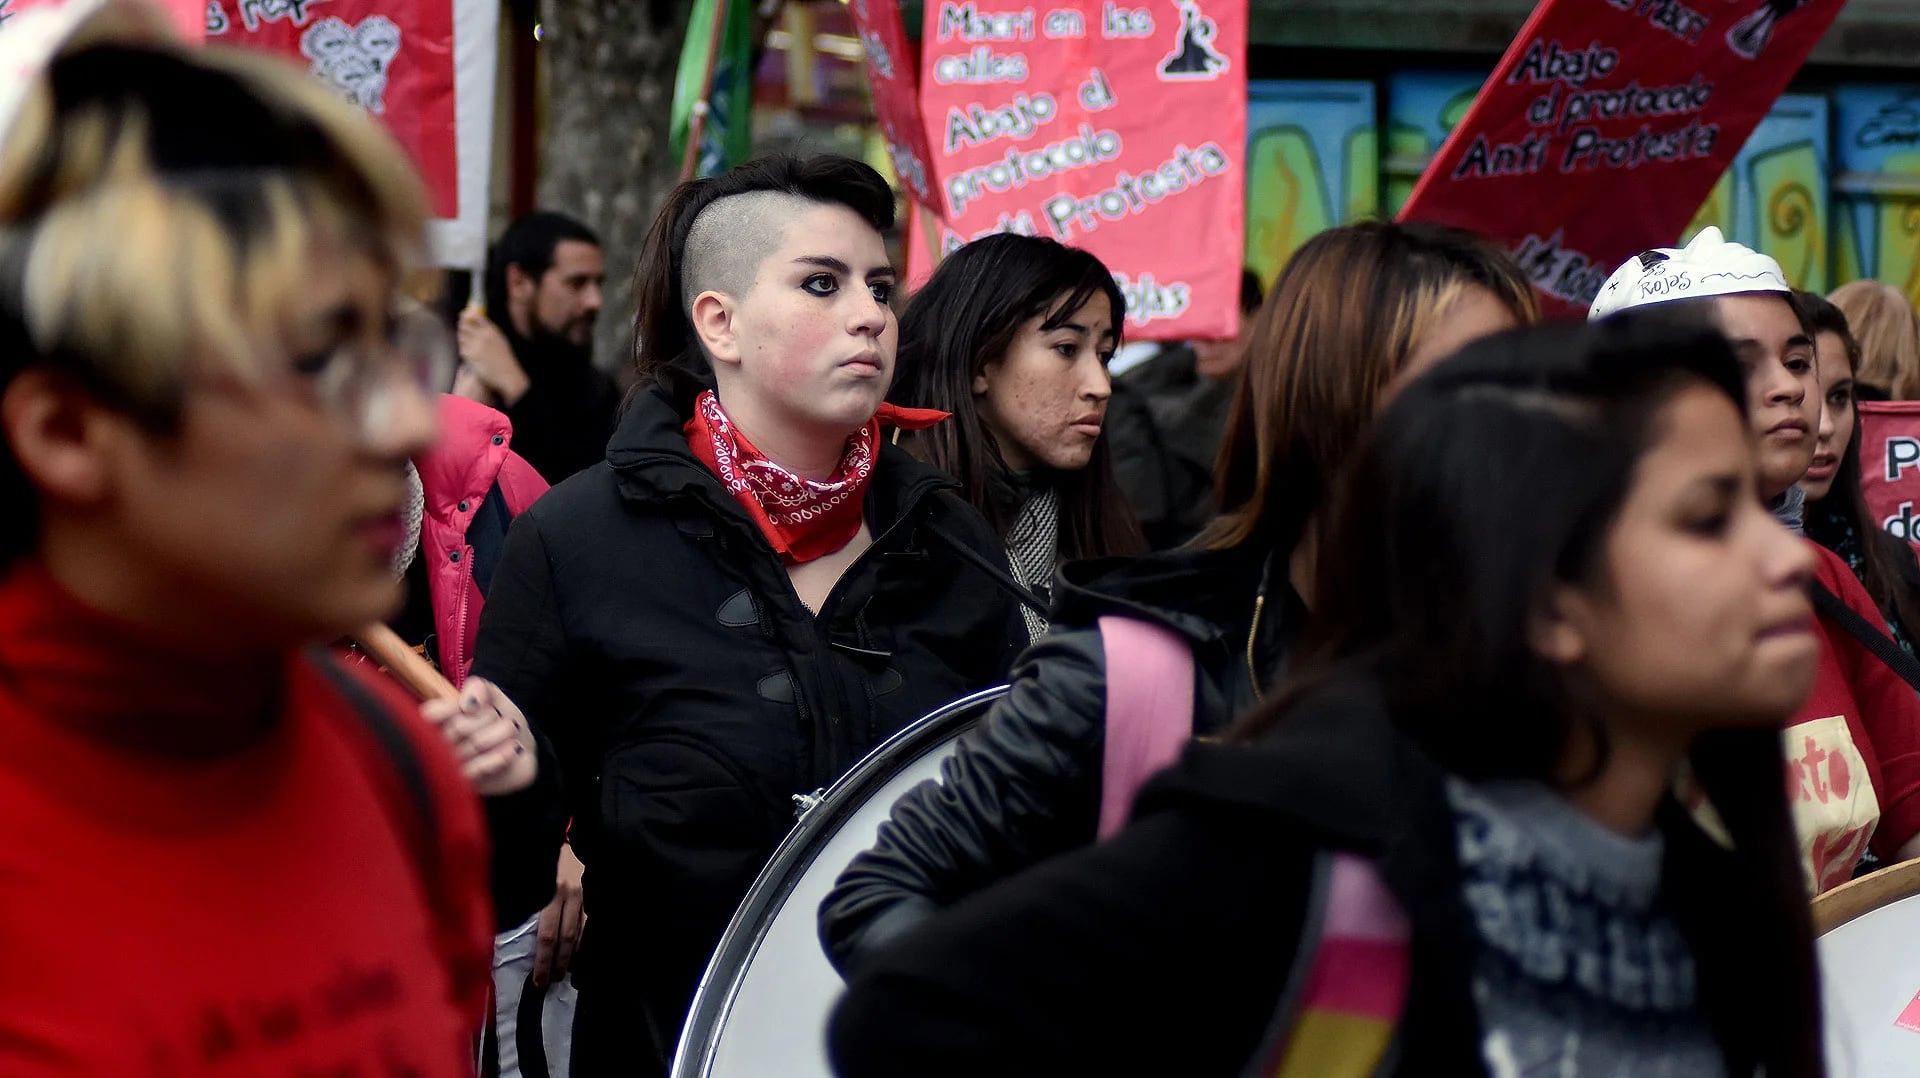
1890,466
1116,127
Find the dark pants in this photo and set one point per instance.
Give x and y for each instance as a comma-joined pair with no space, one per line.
615,1033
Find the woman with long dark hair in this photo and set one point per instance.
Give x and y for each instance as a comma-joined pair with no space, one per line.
1029,782
1551,597
1837,516
1012,335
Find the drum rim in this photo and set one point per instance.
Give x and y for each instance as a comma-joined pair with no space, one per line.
747,928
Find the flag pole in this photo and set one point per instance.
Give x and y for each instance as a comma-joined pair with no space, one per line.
697,124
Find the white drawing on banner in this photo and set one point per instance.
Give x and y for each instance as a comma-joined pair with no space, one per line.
355,59
1751,35
1194,57
255,12
216,19
878,55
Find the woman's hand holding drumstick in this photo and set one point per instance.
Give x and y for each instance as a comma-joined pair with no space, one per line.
489,735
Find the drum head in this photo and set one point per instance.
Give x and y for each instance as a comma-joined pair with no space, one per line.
1870,992
762,1005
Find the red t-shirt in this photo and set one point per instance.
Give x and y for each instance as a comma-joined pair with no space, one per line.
189,887
1853,751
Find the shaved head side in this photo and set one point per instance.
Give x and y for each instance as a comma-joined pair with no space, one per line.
713,235
730,239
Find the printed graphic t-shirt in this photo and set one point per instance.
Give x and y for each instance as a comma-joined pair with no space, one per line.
1853,751
191,888
1581,970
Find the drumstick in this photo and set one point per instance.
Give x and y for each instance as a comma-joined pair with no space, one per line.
404,663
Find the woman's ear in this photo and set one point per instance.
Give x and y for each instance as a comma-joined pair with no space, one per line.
62,439
713,325
1557,633
979,386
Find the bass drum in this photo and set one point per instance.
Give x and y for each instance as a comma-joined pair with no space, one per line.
763,1003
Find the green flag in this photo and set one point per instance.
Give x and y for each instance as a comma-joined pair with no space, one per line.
727,135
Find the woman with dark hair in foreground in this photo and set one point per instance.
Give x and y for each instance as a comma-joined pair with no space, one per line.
1552,598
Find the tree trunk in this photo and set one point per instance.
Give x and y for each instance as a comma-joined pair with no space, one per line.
609,68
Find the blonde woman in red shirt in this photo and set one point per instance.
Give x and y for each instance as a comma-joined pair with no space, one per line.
220,852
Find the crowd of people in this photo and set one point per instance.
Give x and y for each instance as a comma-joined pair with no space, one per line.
1532,676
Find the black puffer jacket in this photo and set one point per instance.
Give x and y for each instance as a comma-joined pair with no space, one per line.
645,625
1025,784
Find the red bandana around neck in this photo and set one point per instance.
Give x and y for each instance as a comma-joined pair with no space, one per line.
803,519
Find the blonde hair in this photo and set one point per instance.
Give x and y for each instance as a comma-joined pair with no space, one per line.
127,271
1884,322
1347,310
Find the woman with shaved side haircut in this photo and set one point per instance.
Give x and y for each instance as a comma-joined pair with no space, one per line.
755,590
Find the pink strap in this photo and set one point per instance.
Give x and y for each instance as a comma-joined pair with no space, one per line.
1149,710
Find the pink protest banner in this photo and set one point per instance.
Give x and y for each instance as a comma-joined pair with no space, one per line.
1607,124
896,91
1890,465
1120,129
393,58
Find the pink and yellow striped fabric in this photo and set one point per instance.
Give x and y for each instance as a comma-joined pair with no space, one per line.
1356,988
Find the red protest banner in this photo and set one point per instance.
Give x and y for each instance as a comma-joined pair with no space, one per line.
1606,125
393,58
896,91
1890,465
1119,129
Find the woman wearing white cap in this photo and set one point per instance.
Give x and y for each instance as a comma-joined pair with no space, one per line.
1853,751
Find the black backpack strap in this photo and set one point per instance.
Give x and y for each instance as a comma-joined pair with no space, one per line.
529,1035
420,825
1875,639
998,573
419,820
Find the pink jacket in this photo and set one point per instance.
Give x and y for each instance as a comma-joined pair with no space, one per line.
469,460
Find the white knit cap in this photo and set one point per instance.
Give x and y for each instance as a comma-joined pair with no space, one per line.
32,39
1709,266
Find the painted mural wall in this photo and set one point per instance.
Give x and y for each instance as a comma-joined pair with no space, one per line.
1313,162
1829,184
